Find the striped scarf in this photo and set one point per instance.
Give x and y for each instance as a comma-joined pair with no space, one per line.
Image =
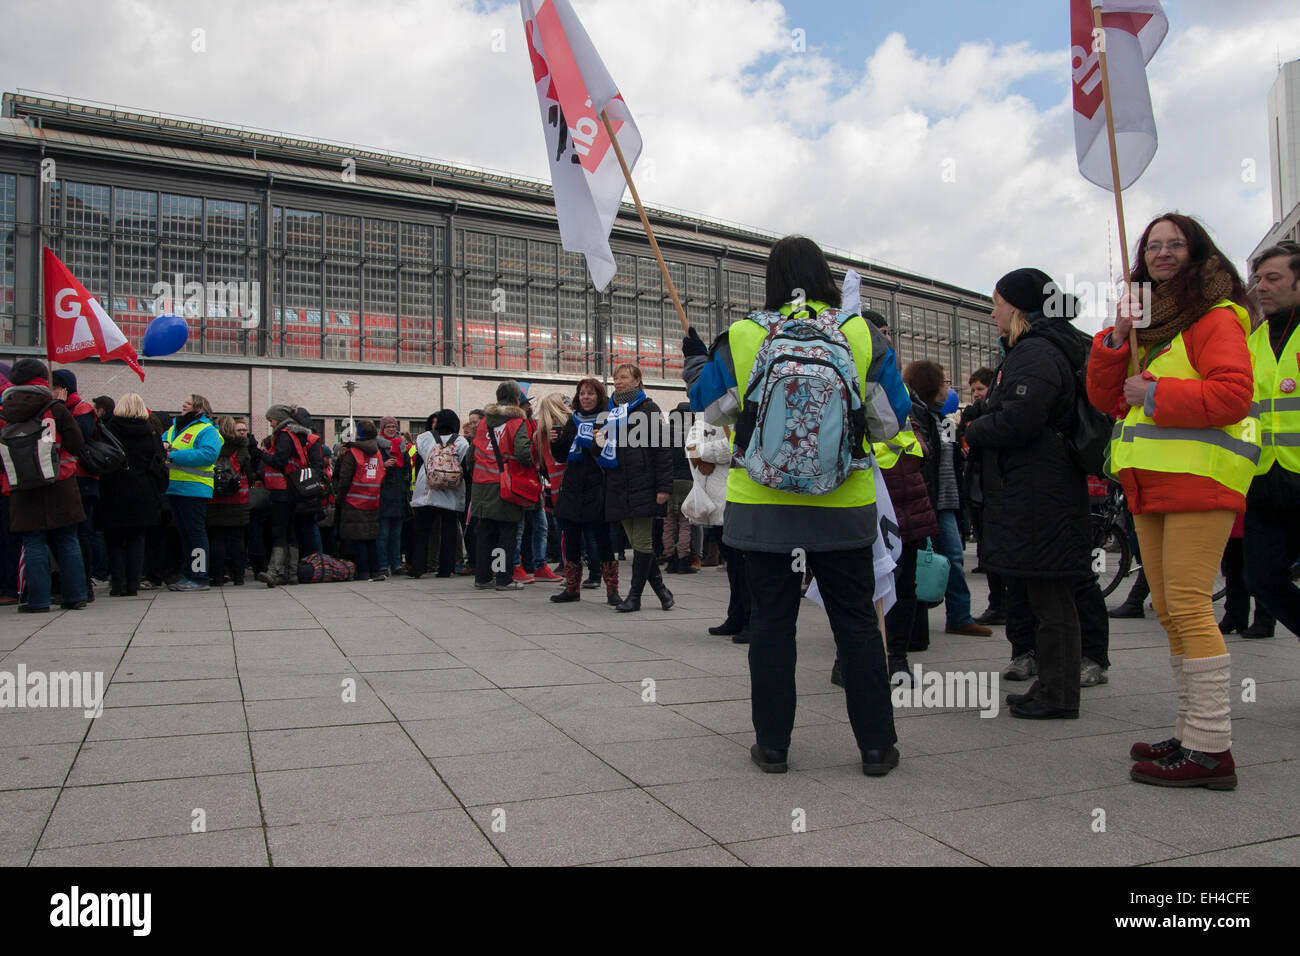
583,440
617,421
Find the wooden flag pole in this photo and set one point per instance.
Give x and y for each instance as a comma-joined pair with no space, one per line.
663,266
1114,171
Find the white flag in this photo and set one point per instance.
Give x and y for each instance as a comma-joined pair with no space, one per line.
886,551
573,87
1132,32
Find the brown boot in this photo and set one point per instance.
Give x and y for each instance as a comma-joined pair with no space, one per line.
572,584
609,573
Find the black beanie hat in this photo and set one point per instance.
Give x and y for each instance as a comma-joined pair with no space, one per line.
1029,290
25,370
62,378
875,318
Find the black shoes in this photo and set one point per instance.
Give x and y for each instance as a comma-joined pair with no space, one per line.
994,615
1230,625
1263,626
74,605
769,761
837,674
1129,609
877,763
1037,710
741,638
725,629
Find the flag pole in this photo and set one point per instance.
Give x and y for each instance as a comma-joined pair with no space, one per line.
1114,171
663,266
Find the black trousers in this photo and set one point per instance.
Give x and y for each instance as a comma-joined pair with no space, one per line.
1052,605
228,551
495,536
738,603
901,618
1090,606
573,536
846,580
441,528
1271,544
10,546
125,558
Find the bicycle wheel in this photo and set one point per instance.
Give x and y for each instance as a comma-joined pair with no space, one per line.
1112,559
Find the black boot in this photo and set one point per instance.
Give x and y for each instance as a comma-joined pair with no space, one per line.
641,564
1263,626
657,585
671,567
572,584
1132,606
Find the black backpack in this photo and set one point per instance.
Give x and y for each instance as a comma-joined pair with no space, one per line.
1087,440
29,453
225,481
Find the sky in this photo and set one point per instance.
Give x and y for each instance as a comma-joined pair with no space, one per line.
927,135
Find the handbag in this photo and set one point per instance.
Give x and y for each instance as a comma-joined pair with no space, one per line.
104,455
931,576
520,484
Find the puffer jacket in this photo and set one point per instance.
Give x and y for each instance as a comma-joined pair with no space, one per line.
712,444
53,506
907,488
643,472
353,524
582,493
1035,497
485,497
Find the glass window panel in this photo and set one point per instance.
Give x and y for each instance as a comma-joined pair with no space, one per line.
379,312
8,223
575,340
480,328
230,297
416,296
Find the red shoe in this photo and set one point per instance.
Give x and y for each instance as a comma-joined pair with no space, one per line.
522,576
1141,751
544,573
1189,768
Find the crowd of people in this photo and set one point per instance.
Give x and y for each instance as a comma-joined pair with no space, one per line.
793,413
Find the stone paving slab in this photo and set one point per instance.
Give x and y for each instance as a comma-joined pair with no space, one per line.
425,723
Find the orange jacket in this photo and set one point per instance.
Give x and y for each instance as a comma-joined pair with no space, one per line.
1216,347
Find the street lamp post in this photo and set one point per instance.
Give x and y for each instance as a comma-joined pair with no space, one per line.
350,386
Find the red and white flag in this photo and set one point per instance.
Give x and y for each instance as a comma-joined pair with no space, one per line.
1133,31
573,87
76,325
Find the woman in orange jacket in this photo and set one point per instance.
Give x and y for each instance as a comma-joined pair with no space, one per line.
1185,455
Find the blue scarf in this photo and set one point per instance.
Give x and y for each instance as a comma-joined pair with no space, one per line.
586,434
616,423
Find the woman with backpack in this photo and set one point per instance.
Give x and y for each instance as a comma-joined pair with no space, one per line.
1186,456
358,483
228,511
1036,524
580,503
289,449
502,439
438,499
130,498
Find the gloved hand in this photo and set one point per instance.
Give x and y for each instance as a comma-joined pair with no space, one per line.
692,344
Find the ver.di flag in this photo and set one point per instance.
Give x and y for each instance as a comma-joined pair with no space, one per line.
76,325
573,87
1133,31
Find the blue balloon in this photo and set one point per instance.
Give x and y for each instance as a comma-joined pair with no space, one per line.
949,406
166,334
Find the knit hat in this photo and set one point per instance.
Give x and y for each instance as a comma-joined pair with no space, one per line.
1029,290
278,413
25,370
386,421
875,318
62,378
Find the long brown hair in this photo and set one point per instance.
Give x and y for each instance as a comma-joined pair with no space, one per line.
602,397
1187,286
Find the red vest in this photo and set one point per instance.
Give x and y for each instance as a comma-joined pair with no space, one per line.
274,480
363,493
486,469
240,497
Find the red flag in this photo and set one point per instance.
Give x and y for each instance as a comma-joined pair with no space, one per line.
1132,32
573,87
76,325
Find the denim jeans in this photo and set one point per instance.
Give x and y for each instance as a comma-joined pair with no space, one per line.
390,544
533,528
190,515
957,596
36,560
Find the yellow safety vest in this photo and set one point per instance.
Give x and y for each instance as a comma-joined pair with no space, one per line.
1228,455
888,452
178,473
859,489
1279,409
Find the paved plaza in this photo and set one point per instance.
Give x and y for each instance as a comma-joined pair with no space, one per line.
426,723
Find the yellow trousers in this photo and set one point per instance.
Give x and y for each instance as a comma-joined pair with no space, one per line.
1181,552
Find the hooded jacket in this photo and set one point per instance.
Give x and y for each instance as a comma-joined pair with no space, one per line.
353,523
283,452
1036,521
485,497
53,506
200,454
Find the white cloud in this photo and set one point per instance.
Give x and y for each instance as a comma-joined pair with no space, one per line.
740,126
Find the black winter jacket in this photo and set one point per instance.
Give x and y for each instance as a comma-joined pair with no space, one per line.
221,515
132,496
1035,498
582,493
643,471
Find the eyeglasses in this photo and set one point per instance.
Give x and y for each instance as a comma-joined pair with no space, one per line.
1174,245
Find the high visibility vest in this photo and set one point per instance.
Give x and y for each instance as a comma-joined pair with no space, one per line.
1278,397
363,493
859,489
904,443
273,478
412,461
486,469
201,474
240,497
1228,455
